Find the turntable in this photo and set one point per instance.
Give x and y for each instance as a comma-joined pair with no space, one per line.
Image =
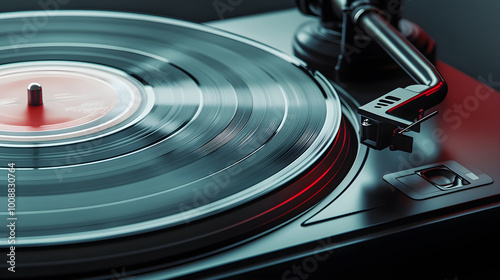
142,146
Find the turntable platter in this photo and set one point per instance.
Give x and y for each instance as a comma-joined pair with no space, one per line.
201,123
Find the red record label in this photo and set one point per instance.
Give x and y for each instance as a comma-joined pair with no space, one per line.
69,100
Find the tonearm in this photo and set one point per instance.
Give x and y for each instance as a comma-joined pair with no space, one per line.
386,119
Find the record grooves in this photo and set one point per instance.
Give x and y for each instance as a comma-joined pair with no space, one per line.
160,142
162,248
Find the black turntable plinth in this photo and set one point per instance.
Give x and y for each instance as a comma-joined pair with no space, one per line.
142,147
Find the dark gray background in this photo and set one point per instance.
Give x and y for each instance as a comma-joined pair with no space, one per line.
193,10
467,32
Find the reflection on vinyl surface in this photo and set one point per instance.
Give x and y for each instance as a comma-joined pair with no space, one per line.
221,121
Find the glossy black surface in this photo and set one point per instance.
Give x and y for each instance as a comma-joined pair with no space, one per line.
366,227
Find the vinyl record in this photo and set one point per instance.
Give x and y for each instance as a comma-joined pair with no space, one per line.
156,139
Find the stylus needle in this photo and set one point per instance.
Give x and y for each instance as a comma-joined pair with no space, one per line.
418,121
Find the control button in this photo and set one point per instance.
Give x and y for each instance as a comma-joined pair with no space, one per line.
443,177
436,179
418,184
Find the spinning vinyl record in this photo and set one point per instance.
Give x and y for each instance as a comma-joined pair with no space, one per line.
157,140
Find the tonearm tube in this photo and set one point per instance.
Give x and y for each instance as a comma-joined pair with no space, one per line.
386,119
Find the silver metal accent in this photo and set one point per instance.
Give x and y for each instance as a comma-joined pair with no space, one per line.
366,122
35,97
363,9
34,87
